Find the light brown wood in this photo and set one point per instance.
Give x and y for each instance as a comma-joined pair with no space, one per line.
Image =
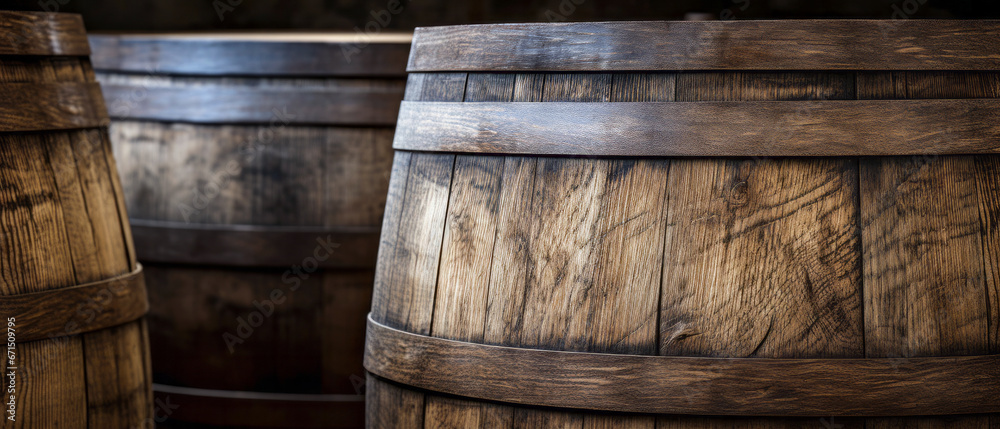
726,255
51,106
120,300
63,225
47,34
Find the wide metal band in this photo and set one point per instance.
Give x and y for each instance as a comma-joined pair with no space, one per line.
212,104
266,54
710,45
759,128
51,106
687,385
78,309
36,33
260,410
254,246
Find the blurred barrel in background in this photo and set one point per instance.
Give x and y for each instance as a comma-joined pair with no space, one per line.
725,224
71,293
255,170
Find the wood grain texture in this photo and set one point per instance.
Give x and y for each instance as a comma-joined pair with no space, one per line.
927,243
685,385
709,128
254,246
709,45
49,34
63,225
407,277
51,106
761,254
123,299
319,54
211,104
293,179
256,167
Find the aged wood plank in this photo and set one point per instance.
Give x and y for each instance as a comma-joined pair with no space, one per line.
408,273
761,254
51,34
121,299
462,299
710,128
710,45
254,246
926,291
988,187
244,54
222,104
685,385
51,106
388,406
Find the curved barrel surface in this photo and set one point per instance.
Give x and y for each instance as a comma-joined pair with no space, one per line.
692,224
72,296
255,169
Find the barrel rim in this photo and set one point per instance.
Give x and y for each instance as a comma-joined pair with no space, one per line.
42,34
811,44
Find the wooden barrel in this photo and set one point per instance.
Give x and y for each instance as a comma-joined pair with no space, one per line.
255,171
729,224
71,293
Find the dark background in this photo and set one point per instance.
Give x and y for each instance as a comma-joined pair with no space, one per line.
178,15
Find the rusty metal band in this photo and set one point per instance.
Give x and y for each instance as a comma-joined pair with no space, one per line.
686,385
78,309
703,129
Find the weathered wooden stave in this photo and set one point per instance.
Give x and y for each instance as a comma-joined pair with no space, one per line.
70,278
480,195
239,152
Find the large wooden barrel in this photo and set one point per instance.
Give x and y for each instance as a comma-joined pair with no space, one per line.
71,292
774,224
255,169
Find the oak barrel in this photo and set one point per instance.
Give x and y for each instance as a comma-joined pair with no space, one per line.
734,224
71,293
255,169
